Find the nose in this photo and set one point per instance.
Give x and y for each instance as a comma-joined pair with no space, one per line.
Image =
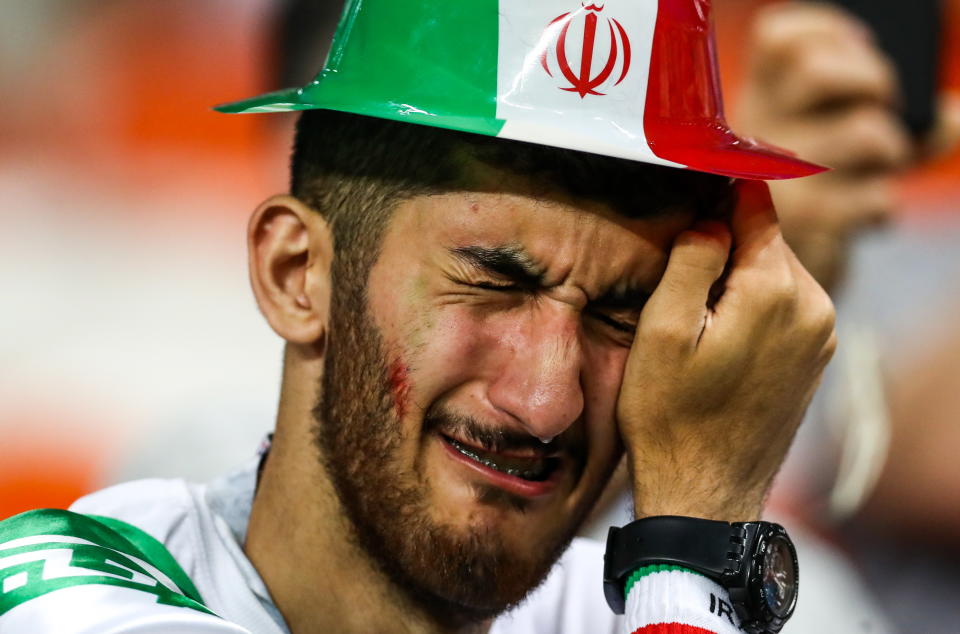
538,378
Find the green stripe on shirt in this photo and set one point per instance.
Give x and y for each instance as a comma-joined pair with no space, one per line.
645,571
108,558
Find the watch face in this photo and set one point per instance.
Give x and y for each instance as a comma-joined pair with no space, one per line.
779,576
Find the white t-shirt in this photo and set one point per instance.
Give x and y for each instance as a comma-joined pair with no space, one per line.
85,572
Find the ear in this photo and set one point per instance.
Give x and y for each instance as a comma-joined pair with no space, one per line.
290,248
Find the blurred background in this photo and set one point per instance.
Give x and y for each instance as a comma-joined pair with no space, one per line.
131,345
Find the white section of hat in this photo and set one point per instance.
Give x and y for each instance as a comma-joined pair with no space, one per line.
535,105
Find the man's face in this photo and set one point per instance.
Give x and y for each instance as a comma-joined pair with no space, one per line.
467,410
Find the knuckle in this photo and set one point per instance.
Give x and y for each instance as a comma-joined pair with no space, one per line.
829,348
819,314
782,293
695,256
824,319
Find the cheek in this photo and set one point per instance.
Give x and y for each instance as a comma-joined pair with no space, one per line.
464,348
464,344
602,376
399,383
458,347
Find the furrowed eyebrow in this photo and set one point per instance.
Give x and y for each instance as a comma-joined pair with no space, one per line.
511,262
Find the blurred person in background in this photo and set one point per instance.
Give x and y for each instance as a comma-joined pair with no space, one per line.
875,464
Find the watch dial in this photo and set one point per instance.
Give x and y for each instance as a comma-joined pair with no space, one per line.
779,576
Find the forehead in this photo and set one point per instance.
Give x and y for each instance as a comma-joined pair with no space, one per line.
564,237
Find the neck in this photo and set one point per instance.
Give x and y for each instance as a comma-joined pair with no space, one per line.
301,544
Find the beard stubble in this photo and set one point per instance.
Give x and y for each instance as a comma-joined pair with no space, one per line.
456,575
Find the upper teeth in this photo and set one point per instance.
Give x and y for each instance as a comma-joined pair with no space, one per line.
537,470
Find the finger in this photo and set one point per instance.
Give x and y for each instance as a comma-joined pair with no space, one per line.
754,221
818,76
786,21
818,55
760,273
678,307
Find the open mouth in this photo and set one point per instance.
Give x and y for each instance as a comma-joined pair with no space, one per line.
532,468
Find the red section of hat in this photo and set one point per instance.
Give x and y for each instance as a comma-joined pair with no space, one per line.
684,120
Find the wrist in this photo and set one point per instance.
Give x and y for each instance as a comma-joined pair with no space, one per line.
726,509
704,493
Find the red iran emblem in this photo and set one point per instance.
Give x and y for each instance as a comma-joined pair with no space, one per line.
585,83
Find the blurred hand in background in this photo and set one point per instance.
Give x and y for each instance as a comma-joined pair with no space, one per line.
817,83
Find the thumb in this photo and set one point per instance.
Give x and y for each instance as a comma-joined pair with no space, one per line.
679,303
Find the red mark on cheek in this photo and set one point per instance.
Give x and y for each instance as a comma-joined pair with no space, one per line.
475,207
400,386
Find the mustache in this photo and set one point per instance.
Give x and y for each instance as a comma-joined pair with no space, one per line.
440,420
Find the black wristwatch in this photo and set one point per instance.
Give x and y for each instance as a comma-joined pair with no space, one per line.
755,561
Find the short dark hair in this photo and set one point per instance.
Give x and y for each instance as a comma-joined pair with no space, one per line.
354,169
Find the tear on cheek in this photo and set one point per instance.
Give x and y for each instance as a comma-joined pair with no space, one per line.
400,387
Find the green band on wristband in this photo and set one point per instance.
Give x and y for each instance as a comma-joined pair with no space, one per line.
644,571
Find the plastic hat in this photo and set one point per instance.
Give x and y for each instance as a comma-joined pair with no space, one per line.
633,79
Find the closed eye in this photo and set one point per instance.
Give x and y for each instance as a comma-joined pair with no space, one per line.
622,326
494,286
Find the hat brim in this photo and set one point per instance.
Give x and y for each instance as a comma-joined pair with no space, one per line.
715,150
747,159
287,100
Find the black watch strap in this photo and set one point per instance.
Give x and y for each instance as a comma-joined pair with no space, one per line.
714,549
